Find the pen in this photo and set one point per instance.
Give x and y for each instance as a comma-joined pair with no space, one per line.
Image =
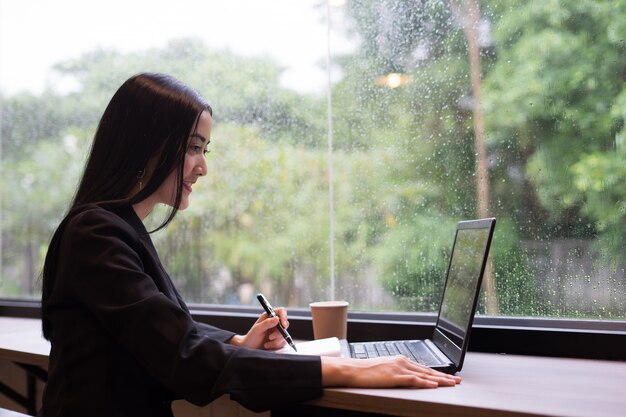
270,312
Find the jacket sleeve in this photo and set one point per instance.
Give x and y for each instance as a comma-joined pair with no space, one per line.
102,254
214,332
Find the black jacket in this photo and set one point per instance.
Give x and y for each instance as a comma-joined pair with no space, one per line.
124,343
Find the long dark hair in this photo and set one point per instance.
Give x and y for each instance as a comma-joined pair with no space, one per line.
143,136
145,127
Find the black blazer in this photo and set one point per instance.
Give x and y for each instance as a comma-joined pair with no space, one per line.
124,343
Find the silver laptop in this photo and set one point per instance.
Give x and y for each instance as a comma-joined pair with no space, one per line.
445,350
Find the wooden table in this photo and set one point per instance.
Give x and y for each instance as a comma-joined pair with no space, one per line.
493,385
503,385
22,343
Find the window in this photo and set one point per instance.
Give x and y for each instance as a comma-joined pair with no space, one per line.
437,112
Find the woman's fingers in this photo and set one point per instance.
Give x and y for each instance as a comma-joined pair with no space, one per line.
429,374
272,338
281,312
264,334
275,339
416,381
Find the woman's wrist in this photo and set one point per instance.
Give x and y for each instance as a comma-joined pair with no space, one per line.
236,340
335,372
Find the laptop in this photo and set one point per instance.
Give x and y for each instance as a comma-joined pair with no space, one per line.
445,350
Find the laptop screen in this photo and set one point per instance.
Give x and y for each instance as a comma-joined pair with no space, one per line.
467,261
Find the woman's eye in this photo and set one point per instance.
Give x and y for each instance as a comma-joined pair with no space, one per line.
198,148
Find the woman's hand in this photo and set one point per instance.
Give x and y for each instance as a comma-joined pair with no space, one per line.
264,334
387,372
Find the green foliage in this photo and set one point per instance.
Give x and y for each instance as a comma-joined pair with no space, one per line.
36,186
38,133
517,286
403,162
415,275
552,79
241,90
600,179
550,95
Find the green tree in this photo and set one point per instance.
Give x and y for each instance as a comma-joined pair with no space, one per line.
243,90
40,167
555,103
37,184
426,126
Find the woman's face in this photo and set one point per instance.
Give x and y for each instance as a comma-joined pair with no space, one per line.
194,168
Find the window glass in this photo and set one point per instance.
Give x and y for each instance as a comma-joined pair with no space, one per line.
349,138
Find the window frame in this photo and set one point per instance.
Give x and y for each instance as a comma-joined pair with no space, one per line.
534,336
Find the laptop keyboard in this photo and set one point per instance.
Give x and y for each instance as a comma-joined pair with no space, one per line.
414,350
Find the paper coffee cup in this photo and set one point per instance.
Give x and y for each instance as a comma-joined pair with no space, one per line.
330,319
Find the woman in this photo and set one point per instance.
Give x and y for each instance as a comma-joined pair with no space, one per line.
123,341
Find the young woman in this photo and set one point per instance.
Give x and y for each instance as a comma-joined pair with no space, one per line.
123,340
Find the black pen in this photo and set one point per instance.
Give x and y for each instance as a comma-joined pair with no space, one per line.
270,312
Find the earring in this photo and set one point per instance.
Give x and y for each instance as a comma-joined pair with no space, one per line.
140,175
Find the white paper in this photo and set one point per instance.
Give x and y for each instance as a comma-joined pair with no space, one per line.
321,347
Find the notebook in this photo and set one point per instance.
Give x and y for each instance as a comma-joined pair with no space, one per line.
330,346
446,348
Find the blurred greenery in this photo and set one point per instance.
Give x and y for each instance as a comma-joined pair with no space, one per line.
403,163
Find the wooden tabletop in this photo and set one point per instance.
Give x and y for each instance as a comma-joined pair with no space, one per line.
493,385
503,385
21,341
